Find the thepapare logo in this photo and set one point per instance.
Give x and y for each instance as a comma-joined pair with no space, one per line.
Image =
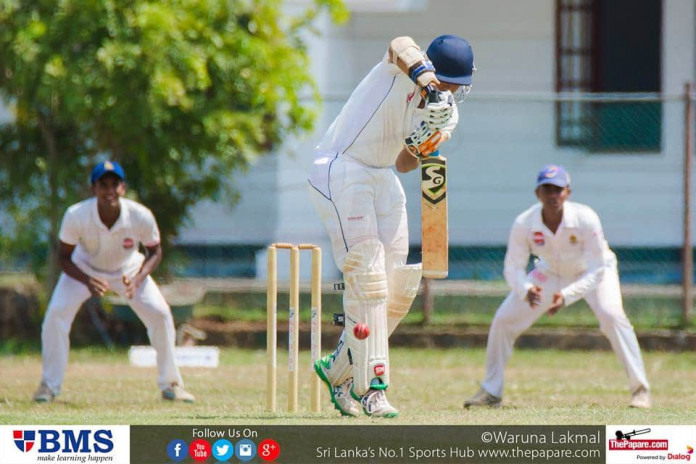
65,441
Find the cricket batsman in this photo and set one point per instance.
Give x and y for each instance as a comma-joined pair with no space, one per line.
402,111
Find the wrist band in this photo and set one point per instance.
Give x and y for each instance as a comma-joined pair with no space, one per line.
425,66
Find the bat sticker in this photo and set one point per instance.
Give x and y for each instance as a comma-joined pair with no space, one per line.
434,180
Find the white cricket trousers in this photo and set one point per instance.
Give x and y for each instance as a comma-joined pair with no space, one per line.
363,203
514,316
148,303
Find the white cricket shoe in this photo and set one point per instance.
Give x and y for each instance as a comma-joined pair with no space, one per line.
375,404
641,399
343,401
340,394
483,398
44,394
174,392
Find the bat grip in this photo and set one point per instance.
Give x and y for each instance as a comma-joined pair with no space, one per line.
430,94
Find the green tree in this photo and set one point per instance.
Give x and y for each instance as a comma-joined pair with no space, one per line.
181,92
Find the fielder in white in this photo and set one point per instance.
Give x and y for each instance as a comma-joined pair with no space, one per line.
401,111
574,262
99,252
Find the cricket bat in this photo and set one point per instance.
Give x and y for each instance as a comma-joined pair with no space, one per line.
435,236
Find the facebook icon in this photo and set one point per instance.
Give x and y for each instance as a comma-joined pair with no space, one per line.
177,450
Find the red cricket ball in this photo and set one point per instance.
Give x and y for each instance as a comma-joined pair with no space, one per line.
361,331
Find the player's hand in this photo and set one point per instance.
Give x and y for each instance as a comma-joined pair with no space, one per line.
424,140
558,303
423,74
132,285
534,296
97,286
438,109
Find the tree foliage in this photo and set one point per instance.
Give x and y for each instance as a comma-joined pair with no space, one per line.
181,92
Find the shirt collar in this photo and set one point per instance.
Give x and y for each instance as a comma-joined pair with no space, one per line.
570,216
569,220
123,221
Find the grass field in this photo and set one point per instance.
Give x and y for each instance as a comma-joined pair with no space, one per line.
428,386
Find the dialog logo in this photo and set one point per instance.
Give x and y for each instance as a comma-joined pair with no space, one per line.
223,450
200,450
24,439
246,450
177,450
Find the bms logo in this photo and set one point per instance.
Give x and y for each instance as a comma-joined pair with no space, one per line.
65,441
24,439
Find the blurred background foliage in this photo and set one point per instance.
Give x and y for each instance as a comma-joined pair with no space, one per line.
181,92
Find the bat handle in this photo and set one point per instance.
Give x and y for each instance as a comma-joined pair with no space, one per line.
431,94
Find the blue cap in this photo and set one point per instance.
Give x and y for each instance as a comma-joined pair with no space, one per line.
554,175
106,167
453,59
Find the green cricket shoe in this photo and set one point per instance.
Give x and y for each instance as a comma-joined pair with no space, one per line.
340,394
175,392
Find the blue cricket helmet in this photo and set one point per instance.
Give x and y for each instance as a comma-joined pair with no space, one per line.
453,59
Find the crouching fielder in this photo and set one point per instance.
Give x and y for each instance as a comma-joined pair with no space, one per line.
406,99
575,262
99,252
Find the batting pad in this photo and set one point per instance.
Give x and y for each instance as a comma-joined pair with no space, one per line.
340,368
404,282
365,301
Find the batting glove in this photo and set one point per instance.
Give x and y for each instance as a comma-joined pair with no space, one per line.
424,140
438,108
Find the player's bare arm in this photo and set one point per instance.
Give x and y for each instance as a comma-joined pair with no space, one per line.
96,286
534,296
558,303
153,257
406,162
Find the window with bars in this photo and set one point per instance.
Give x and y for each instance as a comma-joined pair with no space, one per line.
608,46
575,23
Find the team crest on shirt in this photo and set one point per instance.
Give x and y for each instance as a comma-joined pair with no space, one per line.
128,243
538,238
573,239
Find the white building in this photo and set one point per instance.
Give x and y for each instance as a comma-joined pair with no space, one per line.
626,160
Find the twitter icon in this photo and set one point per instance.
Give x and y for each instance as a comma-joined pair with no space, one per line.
223,450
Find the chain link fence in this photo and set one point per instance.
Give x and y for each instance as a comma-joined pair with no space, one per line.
626,156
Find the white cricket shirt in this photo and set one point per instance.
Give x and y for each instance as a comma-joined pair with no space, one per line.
577,251
100,251
373,124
